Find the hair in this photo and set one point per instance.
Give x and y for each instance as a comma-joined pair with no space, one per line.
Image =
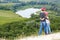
43,9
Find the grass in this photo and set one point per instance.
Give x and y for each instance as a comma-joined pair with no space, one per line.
7,13
8,16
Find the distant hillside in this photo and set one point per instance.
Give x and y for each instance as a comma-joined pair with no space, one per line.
39,0
28,0
8,16
22,1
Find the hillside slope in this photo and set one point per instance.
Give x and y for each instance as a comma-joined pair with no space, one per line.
8,16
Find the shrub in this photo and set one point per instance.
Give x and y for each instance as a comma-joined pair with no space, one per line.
15,29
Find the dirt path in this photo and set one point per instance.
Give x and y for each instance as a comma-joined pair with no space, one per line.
55,36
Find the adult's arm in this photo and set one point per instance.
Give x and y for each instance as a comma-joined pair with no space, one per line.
42,18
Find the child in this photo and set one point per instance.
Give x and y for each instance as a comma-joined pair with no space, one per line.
47,23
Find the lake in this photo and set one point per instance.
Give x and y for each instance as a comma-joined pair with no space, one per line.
27,12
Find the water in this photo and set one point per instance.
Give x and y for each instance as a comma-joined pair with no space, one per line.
27,12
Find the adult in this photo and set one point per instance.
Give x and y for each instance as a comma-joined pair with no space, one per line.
42,21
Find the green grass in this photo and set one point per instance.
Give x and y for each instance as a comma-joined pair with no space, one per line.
7,13
8,16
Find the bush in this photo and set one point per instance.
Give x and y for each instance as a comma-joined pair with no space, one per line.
15,29
26,27
55,23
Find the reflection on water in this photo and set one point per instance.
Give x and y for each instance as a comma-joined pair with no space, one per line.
27,12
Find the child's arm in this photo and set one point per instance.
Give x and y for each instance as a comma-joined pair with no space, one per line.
48,19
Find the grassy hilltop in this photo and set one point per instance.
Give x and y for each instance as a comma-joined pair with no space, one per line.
8,16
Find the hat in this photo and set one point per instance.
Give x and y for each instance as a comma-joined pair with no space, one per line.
43,9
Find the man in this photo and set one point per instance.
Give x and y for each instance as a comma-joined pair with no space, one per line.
42,21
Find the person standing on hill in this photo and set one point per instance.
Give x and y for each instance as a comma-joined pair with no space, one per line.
42,21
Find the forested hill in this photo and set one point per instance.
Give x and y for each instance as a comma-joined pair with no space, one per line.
29,0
